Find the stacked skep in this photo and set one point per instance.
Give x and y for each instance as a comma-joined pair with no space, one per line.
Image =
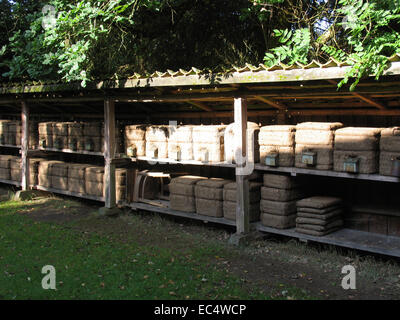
278,201
4,131
76,136
181,193
357,145
319,215
389,151
93,136
46,134
121,183
135,140
76,140
15,133
59,175
95,186
11,133
45,173
157,142
253,148
277,141
16,171
94,181
180,143
208,143
60,135
53,174
5,162
209,197
76,177
315,138
230,196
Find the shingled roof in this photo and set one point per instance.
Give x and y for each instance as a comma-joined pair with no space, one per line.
292,90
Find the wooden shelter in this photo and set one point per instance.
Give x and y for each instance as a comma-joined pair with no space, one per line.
277,95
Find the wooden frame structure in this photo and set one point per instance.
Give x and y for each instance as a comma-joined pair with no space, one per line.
280,93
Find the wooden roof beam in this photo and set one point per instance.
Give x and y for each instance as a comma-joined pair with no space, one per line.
201,106
144,108
13,107
53,108
274,104
370,101
90,108
364,98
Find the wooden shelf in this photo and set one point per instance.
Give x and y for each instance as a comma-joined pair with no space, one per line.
69,193
327,173
347,238
187,162
377,210
163,207
69,151
10,146
15,183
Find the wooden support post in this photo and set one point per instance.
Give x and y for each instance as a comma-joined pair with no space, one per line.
242,183
109,153
25,176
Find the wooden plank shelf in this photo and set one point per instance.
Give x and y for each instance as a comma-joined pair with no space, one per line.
14,183
186,162
10,146
70,151
327,173
163,207
347,238
376,210
69,193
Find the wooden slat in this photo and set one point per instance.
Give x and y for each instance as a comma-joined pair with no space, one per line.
347,112
10,146
329,173
167,210
14,183
315,96
70,193
92,153
274,104
184,162
384,210
363,97
348,238
201,106
370,101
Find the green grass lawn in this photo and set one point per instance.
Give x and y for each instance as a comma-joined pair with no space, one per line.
90,266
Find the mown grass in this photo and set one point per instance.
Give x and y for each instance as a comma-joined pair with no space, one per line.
90,266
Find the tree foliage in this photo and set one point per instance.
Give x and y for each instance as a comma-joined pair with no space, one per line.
294,47
372,30
98,39
115,38
363,33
